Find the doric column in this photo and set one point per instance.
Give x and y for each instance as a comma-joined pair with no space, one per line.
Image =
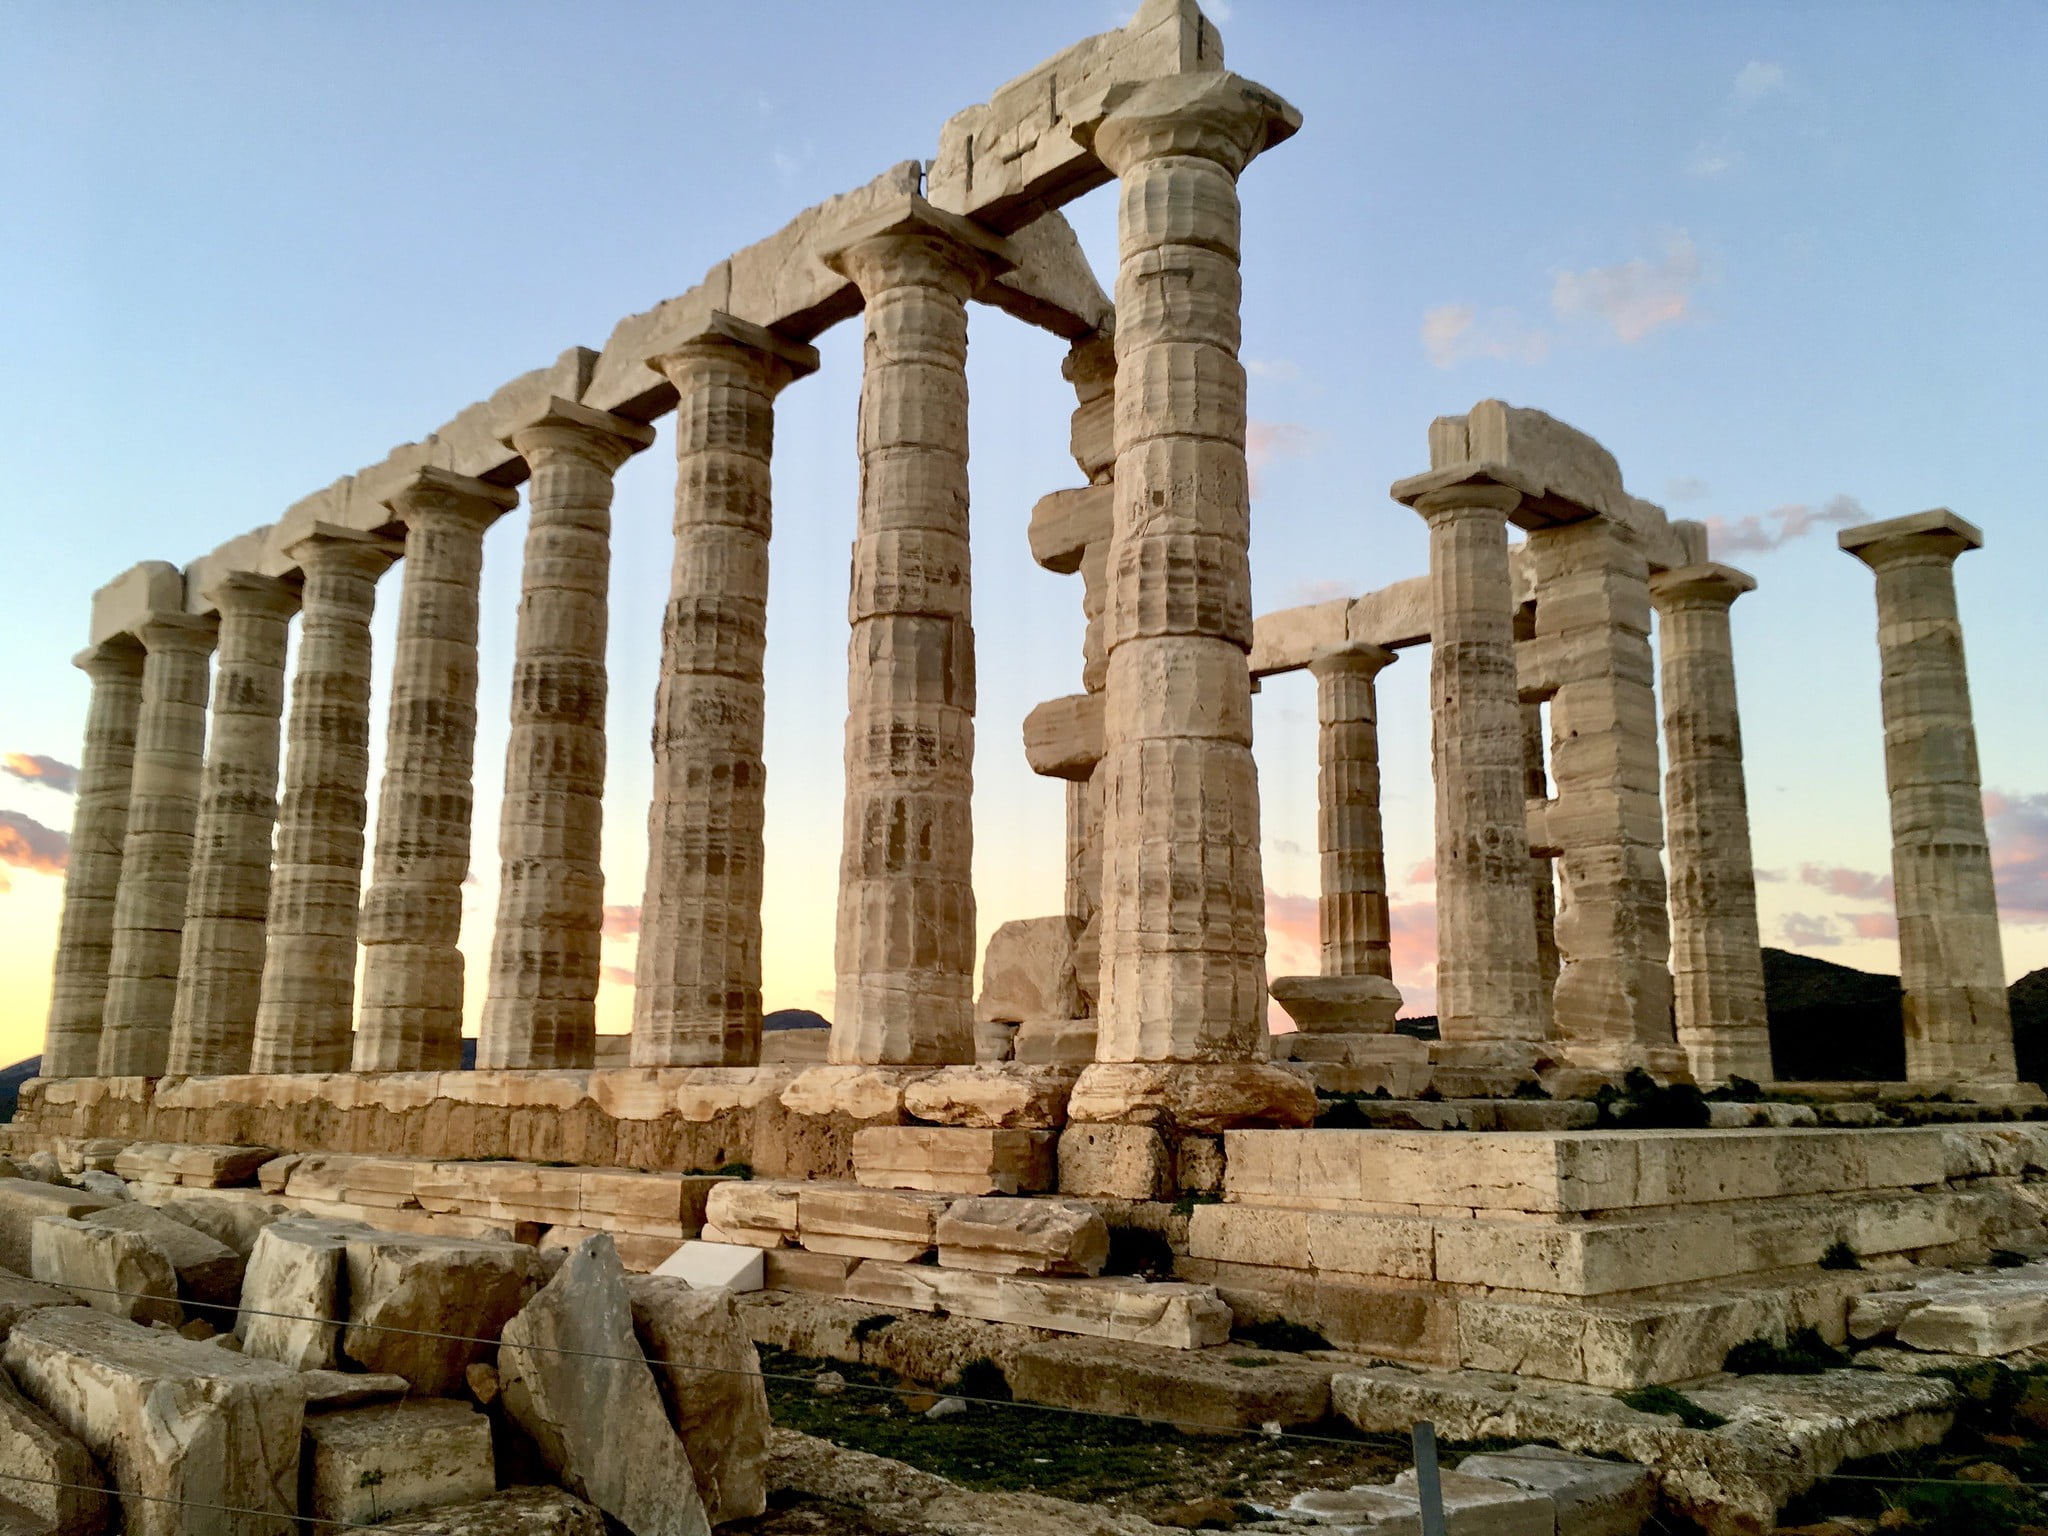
156,854
411,1017
1486,969
540,1009
906,938
1183,935
99,825
220,969
304,1011
697,987
1717,966
1356,934
1951,964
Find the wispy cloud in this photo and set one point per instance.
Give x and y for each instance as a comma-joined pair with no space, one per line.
1326,590
1265,441
619,975
1711,161
621,922
1873,925
34,768
1852,884
1412,927
1809,930
1293,932
2018,825
1686,488
1455,333
1280,370
1423,873
1633,298
1759,533
26,843
1756,80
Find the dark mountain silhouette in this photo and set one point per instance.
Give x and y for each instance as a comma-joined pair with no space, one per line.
795,1018
1832,1023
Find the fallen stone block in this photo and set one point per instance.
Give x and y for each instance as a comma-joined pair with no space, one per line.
761,1213
792,1269
710,1379
954,1159
1377,1510
708,1266
1996,1321
1170,1314
500,1191
194,1166
1226,1387
1001,1236
1054,1043
898,1224
1028,970
640,1253
94,1182
209,1272
92,1154
23,1202
1481,1506
169,1419
237,1223
22,1297
274,1175
515,1512
595,1412
425,1308
365,1465
292,1306
38,1457
326,1390
121,1273
1592,1497
619,1200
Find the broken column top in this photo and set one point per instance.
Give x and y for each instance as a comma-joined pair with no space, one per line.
1937,530
1709,579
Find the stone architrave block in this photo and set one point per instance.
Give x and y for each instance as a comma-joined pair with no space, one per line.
403,1290
21,1297
364,1465
1063,740
501,1191
1168,1313
1125,1162
637,1251
47,1472
714,1266
761,1213
573,1377
328,1390
172,1419
1054,1042
209,1272
235,1223
1592,1497
896,1224
1001,1236
1482,1506
121,1273
710,1378
954,1159
23,1202
1028,971
1065,523
292,1309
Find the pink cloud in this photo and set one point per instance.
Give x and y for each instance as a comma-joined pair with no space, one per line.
26,843
1423,873
621,922
1759,533
1852,884
2018,825
619,975
1413,929
1873,925
1454,333
34,768
1293,934
1633,298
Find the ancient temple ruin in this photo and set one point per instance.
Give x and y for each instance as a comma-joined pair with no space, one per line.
1596,898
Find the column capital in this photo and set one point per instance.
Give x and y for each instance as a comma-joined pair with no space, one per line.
115,656
1359,658
436,492
190,633
1934,535
721,338
1707,585
579,431
1465,494
332,546
911,242
1221,117
248,592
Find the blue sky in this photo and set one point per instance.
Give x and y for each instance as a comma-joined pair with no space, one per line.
1784,261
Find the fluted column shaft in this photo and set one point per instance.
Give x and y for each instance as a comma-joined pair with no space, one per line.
1183,934
1357,937
305,1009
540,1009
411,1016
99,826
1486,969
905,946
1717,966
1542,879
220,969
1951,959
697,986
156,854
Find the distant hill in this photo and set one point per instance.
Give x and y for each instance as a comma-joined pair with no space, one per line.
11,1079
1832,1023
795,1018
2030,1024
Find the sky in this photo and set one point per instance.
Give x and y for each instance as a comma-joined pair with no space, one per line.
1783,261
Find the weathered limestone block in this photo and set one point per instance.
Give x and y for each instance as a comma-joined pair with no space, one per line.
1054,1042
21,1297
734,1267
760,1213
1063,737
654,1203
99,827
1023,1237
156,854
38,1459
1233,1389
196,1166
1169,1314
954,1159
710,1378
237,1223
792,1269
1591,1497
904,952
506,1191
326,1390
170,1419
867,1093
24,1202
897,1224
209,1273
402,1288
1028,972
1997,1321
1358,1004
364,1465
121,1273
515,1512
1126,1162
1006,1097
598,1421
1204,1097
697,995
1958,1019
539,1010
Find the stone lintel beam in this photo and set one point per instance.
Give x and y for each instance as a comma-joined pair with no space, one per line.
1063,737
912,217
1537,506
1065,523
1708,581
433,489
1543,843
125,604
1540,665
1938,531
798,358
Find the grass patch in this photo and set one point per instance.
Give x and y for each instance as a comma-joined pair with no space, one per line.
1185,1205
1840,1256
1806,1353
869,1326
1642,1103
734,1170
1671,1404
